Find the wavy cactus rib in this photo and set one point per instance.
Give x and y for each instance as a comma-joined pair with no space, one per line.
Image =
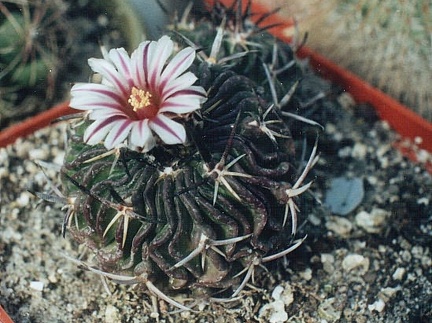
203,215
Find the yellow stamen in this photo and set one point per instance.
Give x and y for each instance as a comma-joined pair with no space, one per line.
139,99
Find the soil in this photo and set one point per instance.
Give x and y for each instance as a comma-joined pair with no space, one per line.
370,264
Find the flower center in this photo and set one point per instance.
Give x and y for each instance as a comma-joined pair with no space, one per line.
139,99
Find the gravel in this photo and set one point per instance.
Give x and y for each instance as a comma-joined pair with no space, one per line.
371,265
368,262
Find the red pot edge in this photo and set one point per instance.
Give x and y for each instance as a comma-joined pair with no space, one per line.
4,318
29,126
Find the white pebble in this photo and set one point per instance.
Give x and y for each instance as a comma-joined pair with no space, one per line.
23,199
328,260
339,225
423,200
356,261
327,311
35,154
377,306
274,312
372,222
399,273
359,151
276,294
388,292
37,285
111,314
306,274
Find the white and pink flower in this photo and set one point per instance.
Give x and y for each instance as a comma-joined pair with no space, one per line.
139,96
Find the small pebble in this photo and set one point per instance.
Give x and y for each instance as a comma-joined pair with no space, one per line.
399,273
41,153
328,261
339,225
387,293
353,261
359,151
37,285
378,306
372,222
327,311
111,314
274,312
23,199
306,274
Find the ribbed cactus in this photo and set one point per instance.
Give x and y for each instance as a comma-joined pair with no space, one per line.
183,175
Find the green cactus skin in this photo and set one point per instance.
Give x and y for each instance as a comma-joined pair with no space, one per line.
201,216
171,191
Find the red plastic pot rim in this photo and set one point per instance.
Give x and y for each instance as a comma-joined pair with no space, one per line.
4,318
29,126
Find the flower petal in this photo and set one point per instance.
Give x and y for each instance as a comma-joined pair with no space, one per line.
109,73
122,62
182,82
163,50
169,131
95,133
139,62
118,133
178,65
92,102
183,104
105,113
99,90
141,135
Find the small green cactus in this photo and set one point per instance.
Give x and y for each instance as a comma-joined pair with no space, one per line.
32,37
182,175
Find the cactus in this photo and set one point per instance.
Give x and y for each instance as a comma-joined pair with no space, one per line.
32,37
387,43
182,175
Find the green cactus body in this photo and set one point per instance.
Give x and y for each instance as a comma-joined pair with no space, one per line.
172,190
198,216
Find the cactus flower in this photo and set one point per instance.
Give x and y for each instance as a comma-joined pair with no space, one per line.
140,96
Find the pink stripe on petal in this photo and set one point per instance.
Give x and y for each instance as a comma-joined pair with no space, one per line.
87,104
178,65
140,63
121,60
105,113
99,89
94,97
163,51
117,134
175,107
138,66
140,133
196,91
98,130
108,71
148,63
182,82
168,130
